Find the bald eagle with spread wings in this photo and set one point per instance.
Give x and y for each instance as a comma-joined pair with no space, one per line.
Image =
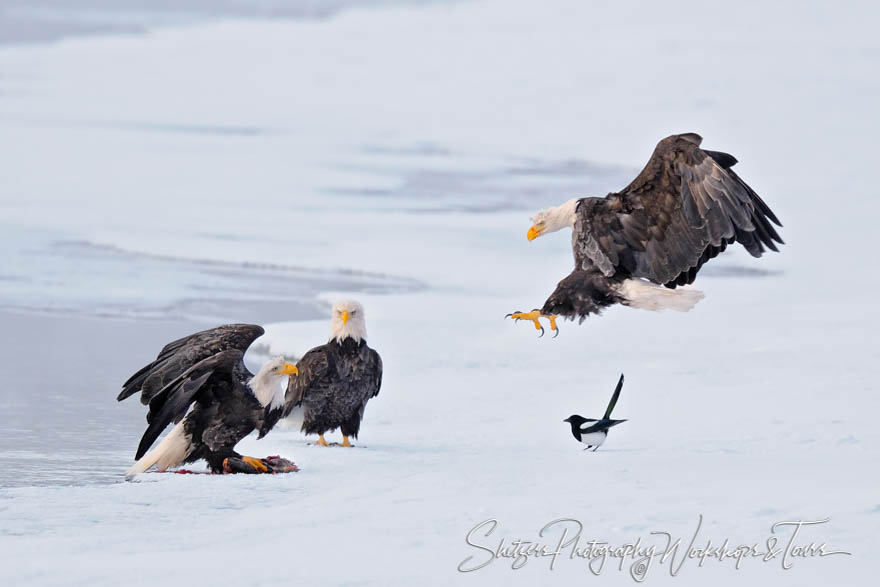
200,384
635,247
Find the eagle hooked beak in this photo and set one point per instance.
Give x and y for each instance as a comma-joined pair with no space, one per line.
289,369
345,316
534,232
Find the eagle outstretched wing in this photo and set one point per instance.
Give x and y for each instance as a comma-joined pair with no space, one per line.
171,402
171,383
683,209
181,355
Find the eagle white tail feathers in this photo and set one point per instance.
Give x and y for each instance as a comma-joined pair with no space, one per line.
645,295
172,451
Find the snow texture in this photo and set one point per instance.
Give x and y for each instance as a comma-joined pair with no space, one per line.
416,142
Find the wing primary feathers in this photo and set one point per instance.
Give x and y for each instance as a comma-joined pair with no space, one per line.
759,203
172,409
133,384
178,356
725,160
686,202
614,397
171,403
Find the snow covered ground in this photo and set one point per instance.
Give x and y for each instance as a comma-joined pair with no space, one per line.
414,143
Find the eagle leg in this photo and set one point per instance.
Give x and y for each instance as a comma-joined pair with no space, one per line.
252,465
345,441
321,441
534,315
244,465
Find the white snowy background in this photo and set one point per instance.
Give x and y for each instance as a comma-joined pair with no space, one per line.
410,144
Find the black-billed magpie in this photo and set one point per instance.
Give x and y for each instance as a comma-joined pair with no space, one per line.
594,432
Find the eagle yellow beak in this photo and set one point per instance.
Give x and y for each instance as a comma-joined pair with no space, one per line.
345,316
534,232
289,369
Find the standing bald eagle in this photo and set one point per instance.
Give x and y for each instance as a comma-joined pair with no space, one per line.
683,209
337,379
201,384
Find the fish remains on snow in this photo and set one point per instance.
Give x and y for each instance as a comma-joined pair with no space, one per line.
682,210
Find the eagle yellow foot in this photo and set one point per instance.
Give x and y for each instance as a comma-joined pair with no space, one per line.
345,441
251,465
321,441
244,465
534,315
257,464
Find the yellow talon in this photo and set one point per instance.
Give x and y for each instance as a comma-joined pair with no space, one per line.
345,441
321,441
257,464
533,316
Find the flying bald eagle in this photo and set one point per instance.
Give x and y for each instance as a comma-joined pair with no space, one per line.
201,384
682,210
337,379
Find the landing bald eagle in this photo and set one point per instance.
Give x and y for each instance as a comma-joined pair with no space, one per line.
684,208
337,379
201,384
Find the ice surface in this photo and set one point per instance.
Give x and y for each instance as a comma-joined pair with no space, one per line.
30,21
335,144
44,274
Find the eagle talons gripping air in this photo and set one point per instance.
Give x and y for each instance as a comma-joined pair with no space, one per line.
641,247
533,316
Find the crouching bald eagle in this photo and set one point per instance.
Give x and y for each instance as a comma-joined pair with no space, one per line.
336,380
201,384
684,208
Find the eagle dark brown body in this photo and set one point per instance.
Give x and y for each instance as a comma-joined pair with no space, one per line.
684,208
334,384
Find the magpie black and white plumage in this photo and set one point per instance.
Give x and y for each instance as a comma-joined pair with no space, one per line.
593,432
201,384
337,379
684,208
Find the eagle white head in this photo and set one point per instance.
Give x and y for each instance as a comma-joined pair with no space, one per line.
347,321
266,384
553,219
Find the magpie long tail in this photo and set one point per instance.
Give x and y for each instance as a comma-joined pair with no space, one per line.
614,397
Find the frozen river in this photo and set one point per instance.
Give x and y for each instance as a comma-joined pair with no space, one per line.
161,176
